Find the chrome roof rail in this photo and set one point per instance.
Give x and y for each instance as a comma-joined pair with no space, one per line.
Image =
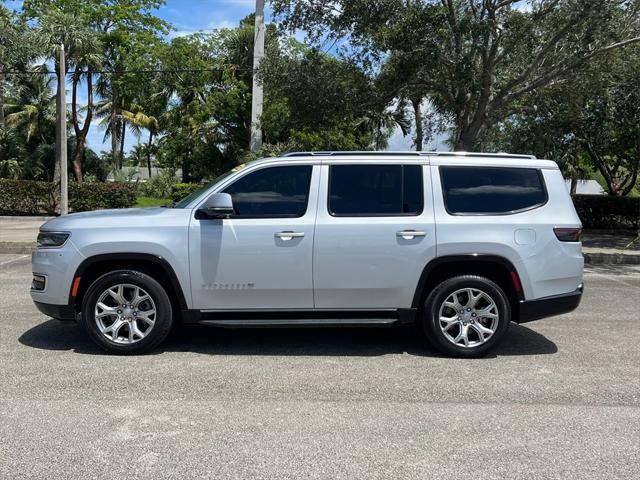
405,154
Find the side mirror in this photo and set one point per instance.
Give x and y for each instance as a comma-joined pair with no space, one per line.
218,205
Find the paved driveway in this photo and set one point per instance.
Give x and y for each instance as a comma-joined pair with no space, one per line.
560,399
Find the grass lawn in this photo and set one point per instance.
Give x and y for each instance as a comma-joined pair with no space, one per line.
151,202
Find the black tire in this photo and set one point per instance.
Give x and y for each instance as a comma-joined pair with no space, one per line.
163,316
431,317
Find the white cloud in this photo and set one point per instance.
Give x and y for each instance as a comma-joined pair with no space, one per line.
213,25
180,33
238,3
218,24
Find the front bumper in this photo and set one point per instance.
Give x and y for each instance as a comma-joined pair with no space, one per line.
59,312
57,266
550,306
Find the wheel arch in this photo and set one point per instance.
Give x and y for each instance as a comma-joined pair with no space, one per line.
498,269
97,265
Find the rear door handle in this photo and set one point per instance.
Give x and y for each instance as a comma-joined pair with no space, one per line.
410,234
289,235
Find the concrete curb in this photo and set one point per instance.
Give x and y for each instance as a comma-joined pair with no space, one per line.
16,218
17,247
602,258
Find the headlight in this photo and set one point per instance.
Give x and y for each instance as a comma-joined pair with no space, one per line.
52,239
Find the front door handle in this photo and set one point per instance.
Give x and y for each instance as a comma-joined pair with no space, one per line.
410,234
289,235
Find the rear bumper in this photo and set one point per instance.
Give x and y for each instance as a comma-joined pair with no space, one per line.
550,306
60,312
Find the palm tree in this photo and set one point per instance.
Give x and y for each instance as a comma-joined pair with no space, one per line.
110,110
87,60
11,151
138,121
112,106
381,124
33,112
82,51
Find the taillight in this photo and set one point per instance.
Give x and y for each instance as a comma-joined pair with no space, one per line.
568,234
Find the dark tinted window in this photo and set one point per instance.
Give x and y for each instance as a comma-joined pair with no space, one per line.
491,189
272,192
375,190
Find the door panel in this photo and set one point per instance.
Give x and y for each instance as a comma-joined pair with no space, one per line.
371,261
254,263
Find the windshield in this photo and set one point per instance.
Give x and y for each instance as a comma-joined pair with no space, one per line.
192,196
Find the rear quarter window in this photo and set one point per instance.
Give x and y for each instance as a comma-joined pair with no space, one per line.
492,190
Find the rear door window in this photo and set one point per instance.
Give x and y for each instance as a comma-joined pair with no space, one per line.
375,190
491,190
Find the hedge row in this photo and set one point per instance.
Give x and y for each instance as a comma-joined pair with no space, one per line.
604,211
25,197
181,190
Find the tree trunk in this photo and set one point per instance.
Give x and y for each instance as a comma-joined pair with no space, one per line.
3,121
186,176
468,137
149,152
124,131
465,143
114,123
417,112
81,132
574,187
56,166
78,159
114,139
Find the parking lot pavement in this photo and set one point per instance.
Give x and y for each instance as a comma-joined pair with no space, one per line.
560,399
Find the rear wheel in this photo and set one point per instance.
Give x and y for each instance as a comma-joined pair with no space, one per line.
466,316
127,312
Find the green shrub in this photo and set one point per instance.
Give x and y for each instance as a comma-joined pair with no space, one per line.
100,195
26,197
605,211
23,197
181,190
144,202
159,186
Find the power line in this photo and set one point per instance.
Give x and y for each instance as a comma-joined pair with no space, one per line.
119,72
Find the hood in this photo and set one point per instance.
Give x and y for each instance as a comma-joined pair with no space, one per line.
108,218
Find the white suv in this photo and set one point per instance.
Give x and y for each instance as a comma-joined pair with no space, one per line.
460,244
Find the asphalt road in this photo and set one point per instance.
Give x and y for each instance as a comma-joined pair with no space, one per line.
560,399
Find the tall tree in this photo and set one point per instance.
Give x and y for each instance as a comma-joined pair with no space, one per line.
16,50
83,50
138,121
323,103
120,26
591,123
32,112
59,28
482,58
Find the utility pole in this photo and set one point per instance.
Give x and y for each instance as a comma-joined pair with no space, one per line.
256,99
61,144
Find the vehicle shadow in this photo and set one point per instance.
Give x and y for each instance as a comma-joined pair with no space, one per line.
66,336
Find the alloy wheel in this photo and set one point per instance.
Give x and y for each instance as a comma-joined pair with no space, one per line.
468,317
125,313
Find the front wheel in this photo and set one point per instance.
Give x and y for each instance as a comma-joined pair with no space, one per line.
127,312
466,316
